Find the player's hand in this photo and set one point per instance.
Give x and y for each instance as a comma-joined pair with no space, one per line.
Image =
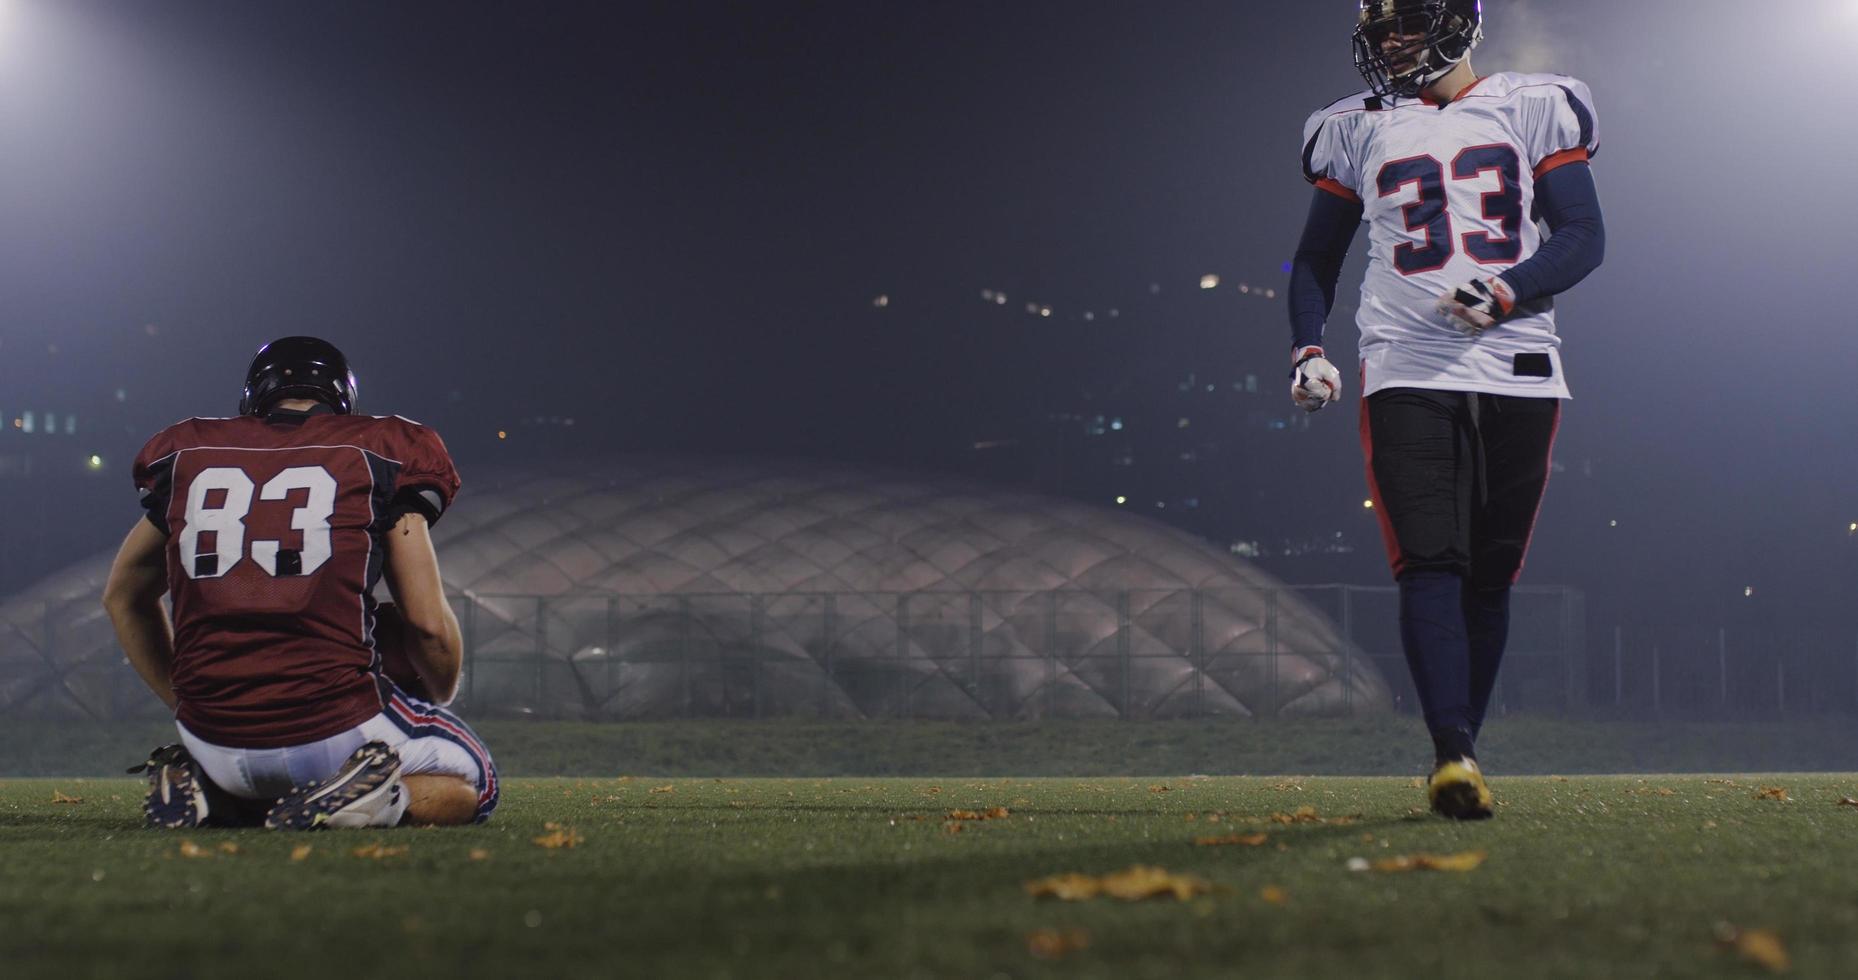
1477,305
1314,382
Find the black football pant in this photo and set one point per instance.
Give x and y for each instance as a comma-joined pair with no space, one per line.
1456,478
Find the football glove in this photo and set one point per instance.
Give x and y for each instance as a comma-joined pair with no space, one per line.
1477,305
1314,381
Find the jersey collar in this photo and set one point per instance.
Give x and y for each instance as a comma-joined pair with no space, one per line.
1429,100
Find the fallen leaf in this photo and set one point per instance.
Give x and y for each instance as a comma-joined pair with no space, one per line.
1466,861
1159,789
1140,882
1416,783
1072,887
1762,947
1241,840
228,847
559,837
301,852
667,788
1274,894
479,854
378,851
1287,786
189,849
1131,884
1559,779
1056,944
58,797
953,826
996,813
1772,793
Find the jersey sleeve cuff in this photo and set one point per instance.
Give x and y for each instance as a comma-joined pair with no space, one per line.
1555,161
1337,188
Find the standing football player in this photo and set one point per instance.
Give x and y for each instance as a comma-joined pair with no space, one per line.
269,532
1460,363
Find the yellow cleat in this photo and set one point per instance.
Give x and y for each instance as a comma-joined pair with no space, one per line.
1457,790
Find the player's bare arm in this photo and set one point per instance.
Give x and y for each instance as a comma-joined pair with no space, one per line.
132,597
429,630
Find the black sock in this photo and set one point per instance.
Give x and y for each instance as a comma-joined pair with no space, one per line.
1487,624
1432,632
1452,744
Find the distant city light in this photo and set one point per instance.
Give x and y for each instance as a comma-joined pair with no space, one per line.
1749,591
1045,311
1270,294
1116,425
1121,500
1854,528
1183,423
1368,504
1612,523
1285,268
881,301
1245,287
1209,282
501,434
96,462
1089,316
1115,313
122,395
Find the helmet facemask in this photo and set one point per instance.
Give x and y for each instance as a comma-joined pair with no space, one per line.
1438,38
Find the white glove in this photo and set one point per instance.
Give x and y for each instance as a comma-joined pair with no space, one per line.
1314,381
1477,305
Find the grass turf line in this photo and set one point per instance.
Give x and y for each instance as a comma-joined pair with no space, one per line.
1588,877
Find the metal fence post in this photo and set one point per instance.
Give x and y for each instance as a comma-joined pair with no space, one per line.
1657,683
1619,668
902,652
684,652
755,610
1271,645
1722,667
975,640
1051,653
541,647
828,637
1348,649
1122,653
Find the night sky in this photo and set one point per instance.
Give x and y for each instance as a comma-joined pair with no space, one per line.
668,222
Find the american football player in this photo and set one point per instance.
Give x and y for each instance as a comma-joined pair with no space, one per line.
269,531
1461,368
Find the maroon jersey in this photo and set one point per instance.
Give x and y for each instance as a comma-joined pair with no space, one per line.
275,529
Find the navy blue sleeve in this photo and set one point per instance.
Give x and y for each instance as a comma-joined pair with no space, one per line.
1567,198
1327,234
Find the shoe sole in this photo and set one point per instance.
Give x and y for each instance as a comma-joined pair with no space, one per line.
323,807
174,803
1459,801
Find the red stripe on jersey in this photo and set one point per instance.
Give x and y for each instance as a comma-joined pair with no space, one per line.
1557,160
1340,190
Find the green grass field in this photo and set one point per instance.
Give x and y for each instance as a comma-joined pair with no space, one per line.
1585,877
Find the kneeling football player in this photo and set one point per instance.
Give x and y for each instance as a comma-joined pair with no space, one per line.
269,531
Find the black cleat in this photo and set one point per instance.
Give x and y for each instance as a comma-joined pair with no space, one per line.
176,792
360,794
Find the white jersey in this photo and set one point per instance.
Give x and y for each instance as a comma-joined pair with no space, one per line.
1448,193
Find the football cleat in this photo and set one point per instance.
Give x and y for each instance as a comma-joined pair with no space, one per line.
1457,790
176,792
366,792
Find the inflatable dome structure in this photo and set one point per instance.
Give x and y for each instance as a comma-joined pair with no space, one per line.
666,587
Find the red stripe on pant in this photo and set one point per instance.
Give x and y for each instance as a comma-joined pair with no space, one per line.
1388,538
413,716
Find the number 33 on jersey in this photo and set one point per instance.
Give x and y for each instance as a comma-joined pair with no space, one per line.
1448,194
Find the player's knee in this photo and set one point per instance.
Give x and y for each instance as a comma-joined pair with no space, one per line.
440,801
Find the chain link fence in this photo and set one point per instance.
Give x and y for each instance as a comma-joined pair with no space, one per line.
1266,653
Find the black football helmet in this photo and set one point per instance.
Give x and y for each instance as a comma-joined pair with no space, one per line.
1441,32
298,367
